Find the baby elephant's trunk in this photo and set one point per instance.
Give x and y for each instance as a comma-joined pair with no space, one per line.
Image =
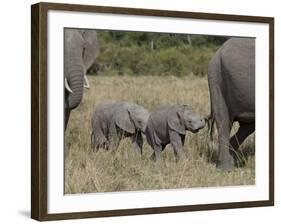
199,125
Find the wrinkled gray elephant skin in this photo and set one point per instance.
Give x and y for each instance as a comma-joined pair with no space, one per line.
231,77
168,124
80,51
113,121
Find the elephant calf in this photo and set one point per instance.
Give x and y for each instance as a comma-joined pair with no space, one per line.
168,124
113,121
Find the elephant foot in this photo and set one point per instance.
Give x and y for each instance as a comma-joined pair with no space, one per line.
157,159
94,148
226,165
138,151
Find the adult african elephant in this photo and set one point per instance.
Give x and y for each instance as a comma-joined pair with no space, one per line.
113,121
168,124
80,51
231,77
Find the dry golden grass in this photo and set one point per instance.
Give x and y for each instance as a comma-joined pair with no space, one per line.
86,171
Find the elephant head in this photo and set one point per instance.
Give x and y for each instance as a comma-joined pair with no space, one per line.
132,118
182,118
80,51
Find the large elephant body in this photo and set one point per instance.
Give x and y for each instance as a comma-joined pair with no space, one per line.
80,51
231,77
113,121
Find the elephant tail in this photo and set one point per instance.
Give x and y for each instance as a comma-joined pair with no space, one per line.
210,121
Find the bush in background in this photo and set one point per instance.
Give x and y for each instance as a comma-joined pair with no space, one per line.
156,54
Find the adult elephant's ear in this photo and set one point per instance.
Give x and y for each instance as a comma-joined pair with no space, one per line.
175,120
124,121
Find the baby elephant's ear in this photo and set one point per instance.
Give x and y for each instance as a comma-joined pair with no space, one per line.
124,122
175,120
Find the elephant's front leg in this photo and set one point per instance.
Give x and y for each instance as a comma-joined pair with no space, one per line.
156,156
137,141
114,138
237,139
177,144
157,150
224,123
243,132
225,159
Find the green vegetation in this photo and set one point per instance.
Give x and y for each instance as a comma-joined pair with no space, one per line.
139,53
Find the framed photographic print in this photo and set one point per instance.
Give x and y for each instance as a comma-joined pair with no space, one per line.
139,111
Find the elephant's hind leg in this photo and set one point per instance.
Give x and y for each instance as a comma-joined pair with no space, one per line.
219,111
93,142
177,144
224,124
156,155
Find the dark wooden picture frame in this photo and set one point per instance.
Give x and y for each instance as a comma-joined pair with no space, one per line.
39,110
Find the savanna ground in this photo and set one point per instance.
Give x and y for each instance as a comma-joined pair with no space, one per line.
86,171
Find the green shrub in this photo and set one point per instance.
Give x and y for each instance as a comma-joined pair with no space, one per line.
139,53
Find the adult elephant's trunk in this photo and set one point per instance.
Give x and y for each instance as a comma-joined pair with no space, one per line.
76,83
